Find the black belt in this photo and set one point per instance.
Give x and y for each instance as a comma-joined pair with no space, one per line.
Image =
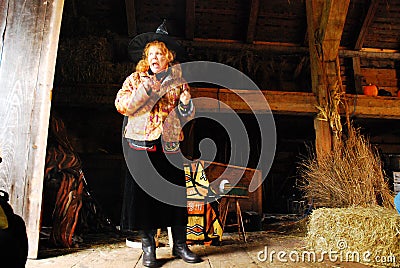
144,144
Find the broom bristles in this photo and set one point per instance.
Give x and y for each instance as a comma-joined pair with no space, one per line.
350,175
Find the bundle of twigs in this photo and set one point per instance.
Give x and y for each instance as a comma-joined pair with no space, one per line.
350,175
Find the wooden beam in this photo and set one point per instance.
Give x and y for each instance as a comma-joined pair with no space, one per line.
295,103
373,107
284,48
325,23
357,75
370,54
331,27
280,102
251,27
373,6
131,17
40,119
238,46
314,13
190,19
29,48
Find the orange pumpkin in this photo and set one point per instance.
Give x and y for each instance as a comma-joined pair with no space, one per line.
398,94
371,90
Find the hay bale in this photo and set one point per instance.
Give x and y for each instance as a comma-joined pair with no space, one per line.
372,234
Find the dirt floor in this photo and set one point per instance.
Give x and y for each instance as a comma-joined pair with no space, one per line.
280,244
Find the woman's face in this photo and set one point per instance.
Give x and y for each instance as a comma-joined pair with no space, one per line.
157,60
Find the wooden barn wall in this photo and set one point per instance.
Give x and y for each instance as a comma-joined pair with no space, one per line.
28,48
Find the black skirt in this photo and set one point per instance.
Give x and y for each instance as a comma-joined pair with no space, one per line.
142,209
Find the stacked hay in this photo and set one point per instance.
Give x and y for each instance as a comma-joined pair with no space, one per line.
89,60
355,211
366,235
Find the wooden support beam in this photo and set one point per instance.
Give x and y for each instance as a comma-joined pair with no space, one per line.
314,13
30,33
255,46
325,22
190,19
280,102
357,75
131,17
331,26
294,103
373,107
251,27
390,55
283,48
373,6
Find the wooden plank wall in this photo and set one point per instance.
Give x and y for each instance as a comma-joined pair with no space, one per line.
30,31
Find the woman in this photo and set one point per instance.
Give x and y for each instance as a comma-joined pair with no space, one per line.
156,101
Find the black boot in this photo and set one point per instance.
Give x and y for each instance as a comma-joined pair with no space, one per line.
180,248
149,248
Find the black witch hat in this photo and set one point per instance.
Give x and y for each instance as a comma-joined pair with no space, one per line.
138,43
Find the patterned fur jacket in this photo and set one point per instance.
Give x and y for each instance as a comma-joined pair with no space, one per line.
159,113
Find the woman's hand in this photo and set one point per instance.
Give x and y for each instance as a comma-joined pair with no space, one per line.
149,84
185,97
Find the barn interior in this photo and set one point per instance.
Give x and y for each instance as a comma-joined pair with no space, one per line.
266,40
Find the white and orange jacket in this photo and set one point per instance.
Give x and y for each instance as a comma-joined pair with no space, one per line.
156,114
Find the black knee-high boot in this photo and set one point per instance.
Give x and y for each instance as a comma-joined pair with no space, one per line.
149,248
180,248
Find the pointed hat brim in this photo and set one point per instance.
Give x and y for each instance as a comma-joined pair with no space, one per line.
138,43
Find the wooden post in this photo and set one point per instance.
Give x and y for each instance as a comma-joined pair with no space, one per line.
325,22
357,75
251,26
190,19
30,33
131,17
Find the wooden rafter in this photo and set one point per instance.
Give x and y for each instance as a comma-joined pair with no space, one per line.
131,17
280,48
251,27
273,47
190,19
367,22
